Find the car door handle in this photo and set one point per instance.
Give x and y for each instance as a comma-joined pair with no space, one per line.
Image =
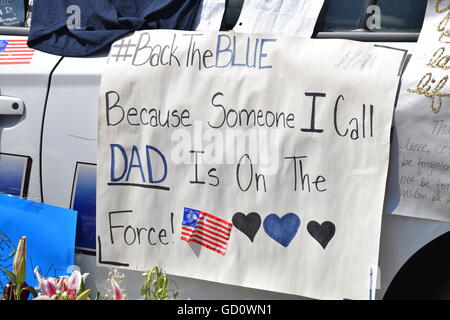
11,106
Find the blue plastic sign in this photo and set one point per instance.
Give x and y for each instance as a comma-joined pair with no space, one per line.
50,233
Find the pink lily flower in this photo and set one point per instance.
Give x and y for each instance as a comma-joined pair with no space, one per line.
118,295
73,285
62,283
47,287
66,288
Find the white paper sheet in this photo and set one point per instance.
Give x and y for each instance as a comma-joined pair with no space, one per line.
419,180
304,195
209,18
289,17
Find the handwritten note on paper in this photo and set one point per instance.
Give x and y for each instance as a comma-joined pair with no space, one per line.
419,180
228,157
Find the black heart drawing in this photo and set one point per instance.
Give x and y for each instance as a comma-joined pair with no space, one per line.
247,224
323,233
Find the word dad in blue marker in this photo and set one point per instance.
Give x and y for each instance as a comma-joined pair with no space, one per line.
147,166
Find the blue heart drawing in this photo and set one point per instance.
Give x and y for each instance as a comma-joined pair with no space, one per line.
282,230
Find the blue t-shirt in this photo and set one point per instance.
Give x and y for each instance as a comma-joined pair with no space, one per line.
82,27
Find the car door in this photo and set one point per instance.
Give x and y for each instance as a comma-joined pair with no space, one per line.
69,142
25,76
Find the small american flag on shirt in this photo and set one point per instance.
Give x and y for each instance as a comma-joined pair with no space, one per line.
15,52
205,229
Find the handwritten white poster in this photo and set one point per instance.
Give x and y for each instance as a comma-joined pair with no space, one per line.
251,160
419,179
289,17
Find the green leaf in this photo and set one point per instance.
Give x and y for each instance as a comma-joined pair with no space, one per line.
158,285
11,276
84,295
82,286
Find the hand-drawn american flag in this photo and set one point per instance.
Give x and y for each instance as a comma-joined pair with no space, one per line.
15,52
205,229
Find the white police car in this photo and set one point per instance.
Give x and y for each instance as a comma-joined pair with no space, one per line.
48,131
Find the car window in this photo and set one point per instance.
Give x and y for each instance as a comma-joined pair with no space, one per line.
351,15
341,15
402,15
